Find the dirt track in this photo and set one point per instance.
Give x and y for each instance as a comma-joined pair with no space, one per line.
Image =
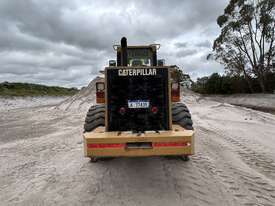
42,162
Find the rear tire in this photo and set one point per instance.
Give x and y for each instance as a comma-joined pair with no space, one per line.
95,117
185,158
93,159
182,116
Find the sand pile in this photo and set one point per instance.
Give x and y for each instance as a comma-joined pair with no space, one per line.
188,96
82,100
8,103
264,102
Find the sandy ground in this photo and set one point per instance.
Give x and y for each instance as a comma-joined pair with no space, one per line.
23,102
262,102
42,162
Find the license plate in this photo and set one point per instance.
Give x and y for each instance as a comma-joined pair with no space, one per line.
136,104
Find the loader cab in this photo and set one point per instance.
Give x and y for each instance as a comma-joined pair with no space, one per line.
132,56
142,61
139,56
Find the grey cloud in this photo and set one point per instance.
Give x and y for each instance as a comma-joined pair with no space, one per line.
186,52
181,44
92,27
206,44
68,42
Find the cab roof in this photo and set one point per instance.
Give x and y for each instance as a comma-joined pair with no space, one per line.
150,46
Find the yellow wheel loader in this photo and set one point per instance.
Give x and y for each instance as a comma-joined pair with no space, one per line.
138,111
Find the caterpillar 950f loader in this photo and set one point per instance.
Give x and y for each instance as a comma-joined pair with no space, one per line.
139,112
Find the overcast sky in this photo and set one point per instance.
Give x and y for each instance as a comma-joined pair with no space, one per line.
61,42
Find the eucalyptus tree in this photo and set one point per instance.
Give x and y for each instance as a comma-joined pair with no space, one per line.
246,43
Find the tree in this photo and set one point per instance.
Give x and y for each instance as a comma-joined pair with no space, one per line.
246,42
179,76
200,85
214,84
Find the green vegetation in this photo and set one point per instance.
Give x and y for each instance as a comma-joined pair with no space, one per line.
26,89
217,84
246,44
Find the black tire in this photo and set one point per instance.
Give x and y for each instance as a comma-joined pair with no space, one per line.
95,117
185,158
93,159
182,116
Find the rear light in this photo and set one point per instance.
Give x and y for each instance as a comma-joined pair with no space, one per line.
122,110
175,92
154,110
105,145
100,92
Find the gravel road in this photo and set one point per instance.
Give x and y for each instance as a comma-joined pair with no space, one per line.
42,162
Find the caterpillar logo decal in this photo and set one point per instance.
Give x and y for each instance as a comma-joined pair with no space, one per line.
137,72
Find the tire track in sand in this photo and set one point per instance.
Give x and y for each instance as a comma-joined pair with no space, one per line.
247,188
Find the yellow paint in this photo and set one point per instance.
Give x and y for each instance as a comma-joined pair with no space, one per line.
177,134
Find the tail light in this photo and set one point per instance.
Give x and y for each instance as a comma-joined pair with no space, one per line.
122,110
154,110
100,92
175,92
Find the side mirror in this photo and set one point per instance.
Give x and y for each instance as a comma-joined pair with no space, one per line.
112,63
161,62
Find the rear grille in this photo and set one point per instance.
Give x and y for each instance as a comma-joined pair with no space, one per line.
146,87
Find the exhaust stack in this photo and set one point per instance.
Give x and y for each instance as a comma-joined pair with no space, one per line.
124,51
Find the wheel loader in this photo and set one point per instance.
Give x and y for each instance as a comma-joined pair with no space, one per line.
139,110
